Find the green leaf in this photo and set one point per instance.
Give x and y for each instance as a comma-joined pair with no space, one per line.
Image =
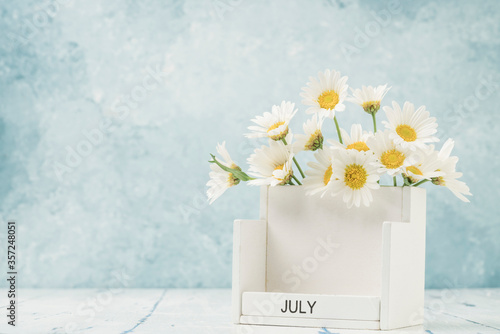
240,175
407,181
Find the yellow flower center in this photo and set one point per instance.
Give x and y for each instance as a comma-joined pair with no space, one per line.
287,177
392,159
328,175
412,179
355,176
439,180
231,179
315,141
328,100
371,106
360,146
275,126
278,136
414,170
406,132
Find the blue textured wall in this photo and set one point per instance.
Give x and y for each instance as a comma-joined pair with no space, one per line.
132,201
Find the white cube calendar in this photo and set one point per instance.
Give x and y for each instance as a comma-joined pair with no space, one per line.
313,262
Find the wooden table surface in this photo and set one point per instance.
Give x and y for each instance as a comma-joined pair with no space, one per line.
208,311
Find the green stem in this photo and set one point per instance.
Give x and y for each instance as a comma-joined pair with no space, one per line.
395,181
374,123
238,173
338,129
419,183
300,169
290,182
296,180
295,161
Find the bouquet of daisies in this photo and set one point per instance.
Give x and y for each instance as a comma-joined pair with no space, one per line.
351,166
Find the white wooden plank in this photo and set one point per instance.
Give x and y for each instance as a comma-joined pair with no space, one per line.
82,310
318,323
253,329
311,306
437,323
191,311
208,311
479,306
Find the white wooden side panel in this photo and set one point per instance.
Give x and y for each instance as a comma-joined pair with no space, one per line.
318,323
403,271
311,306
249,260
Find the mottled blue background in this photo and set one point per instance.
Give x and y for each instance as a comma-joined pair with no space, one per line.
134,203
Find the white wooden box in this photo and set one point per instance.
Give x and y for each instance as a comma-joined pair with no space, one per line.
312,262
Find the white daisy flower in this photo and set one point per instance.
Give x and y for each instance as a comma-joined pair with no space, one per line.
271,165
357,140
425,167
445,151
354,176
447,165
220,180
327,95
319,176
273,124
313,138
391,158
369,98
410,128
